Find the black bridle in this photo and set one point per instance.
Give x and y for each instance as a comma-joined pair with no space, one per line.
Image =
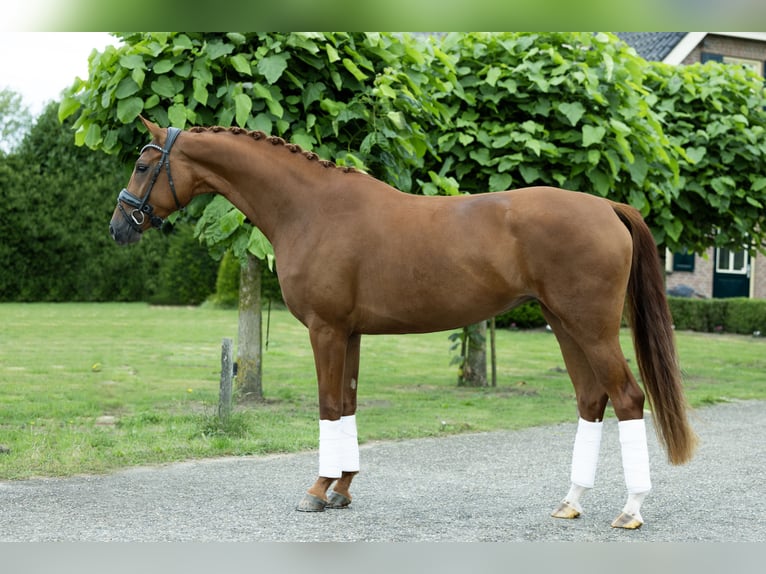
141,207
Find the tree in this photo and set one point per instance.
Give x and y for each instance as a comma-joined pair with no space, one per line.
250,357
316,90
15,120
56,245
684,145
562,109
466,113
714,114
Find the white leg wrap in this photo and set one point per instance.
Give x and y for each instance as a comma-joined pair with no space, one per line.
635,456
584,461
338,447
585,453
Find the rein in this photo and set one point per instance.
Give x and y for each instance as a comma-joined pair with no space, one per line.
141,207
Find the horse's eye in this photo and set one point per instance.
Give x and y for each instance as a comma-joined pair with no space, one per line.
141,167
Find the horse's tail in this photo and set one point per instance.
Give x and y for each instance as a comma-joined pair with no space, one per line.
654,340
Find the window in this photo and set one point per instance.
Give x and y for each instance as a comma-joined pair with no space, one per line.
757,65
734,262
683,261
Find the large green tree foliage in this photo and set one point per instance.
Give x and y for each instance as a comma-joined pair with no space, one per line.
316,90
715,113
562,109
463,114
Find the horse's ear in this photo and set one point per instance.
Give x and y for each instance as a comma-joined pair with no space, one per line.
153,128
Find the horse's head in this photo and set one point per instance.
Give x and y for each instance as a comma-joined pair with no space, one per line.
151,194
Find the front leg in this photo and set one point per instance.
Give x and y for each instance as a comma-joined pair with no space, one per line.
337,363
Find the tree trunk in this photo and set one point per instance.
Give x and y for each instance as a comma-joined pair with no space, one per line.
474,372
250,345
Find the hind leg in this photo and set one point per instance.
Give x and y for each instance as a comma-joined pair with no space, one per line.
612,373
611,369
591,403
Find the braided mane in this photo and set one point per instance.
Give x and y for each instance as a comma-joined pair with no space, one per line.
274,140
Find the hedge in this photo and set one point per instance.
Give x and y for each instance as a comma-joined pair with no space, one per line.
226,293
187,274
736,315
526,316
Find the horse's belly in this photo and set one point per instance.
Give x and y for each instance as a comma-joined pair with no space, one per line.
420,303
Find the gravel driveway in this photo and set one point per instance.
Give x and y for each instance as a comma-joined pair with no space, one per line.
498,486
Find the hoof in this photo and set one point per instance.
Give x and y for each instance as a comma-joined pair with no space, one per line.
311,503
627,521
565,510
335,500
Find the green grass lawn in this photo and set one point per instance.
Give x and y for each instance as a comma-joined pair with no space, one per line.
153,372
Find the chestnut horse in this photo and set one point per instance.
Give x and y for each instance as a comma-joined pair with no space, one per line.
356,256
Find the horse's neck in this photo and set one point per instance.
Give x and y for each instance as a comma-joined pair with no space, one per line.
270,184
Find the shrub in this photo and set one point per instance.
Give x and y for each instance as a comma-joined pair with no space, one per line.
526,316
55,240
188,273
738,315
227,283
746,315
226,293
690,314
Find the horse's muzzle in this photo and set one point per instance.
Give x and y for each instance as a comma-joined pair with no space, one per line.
122,232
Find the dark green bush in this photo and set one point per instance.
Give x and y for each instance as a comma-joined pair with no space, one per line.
187,275
57,200
746,315
270,288
526,316
691,314
227,283
739,315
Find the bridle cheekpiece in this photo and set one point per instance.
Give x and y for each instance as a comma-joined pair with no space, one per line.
141,208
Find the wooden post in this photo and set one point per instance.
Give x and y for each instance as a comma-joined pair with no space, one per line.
493,357
227,375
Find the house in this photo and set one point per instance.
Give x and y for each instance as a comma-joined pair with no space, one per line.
721,272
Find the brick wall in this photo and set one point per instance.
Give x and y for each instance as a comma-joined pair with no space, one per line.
726,46
759,281
701,279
